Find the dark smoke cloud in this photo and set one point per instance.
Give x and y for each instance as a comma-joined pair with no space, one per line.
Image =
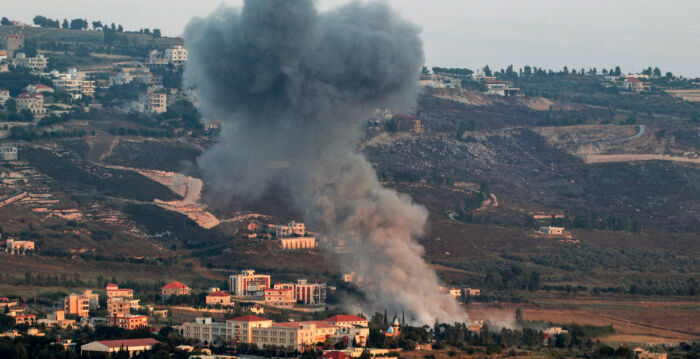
293,87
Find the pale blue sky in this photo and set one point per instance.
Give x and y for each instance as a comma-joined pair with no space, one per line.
471,33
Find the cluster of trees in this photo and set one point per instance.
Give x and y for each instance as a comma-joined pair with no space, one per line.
5,21
590,221
456,72
511,278
27,133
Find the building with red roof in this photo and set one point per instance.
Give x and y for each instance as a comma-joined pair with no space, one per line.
109,347
636,85
348,321
174,288
32,101
219,298
40,88
113,291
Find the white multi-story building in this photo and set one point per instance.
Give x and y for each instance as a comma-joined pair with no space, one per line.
34,102
248,283
4,96
8,151
240,329
37,63
176,55
73,87
205,330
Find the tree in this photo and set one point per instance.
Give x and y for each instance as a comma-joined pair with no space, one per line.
78,24
618,72
156,32
45,22
120,28
657,72
11,105
669,75
5,21
64,25
96,25
487,71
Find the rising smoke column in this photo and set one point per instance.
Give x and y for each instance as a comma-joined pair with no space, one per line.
293,87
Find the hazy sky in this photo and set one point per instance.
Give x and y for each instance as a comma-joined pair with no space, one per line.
470,33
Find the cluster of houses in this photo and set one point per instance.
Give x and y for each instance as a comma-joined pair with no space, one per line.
81,84
11,54
635,83
14,246
284,295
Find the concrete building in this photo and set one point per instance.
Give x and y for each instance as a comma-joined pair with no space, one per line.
205,330
635,84
348,321
81,304
471,292
4,96
293,335
121,305
127,321
12,43
176,55
28,319
34,102
88,88
297,242
57,319
248,283
310,293
174,288
279,297
113,290
14,246
240,329
290,229
495,87
156,59
36,63
153,102
72,86
552,230
219,298
109,347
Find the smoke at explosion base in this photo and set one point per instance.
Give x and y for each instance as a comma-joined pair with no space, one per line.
293,87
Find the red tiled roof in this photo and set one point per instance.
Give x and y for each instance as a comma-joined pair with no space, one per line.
633,79
112,286
249,318
40,86
494,81
344,318
335,355
218,293
127,342
319,324
27,95
24,316
174,285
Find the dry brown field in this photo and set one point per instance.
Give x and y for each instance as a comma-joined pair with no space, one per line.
639,321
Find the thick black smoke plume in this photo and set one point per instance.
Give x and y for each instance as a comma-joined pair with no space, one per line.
294,86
